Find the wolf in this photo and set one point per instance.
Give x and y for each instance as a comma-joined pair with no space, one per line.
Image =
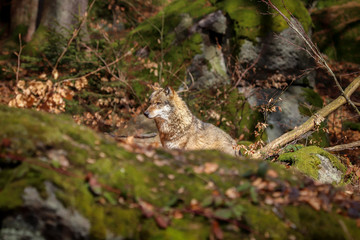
179,129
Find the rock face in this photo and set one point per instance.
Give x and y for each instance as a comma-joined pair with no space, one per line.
277,53
297,104
327,172
209,68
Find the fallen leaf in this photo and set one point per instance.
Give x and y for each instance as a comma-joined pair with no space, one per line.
272,173
55,74
314,203
94,185
194,205
216,230
146,208
198,169
162,221
269,200
358,173
210,167
177,214
231,193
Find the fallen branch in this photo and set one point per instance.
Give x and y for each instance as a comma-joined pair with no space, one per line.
310,124
342,147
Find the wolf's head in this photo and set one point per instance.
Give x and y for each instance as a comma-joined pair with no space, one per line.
161,103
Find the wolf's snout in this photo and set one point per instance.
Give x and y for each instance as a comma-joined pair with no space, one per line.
146,113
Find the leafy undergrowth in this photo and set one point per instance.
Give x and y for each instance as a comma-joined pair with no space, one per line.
149,193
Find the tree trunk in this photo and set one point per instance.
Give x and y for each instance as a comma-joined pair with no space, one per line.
32,18
23,17
63,15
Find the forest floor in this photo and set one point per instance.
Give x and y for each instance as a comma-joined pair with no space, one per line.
133,124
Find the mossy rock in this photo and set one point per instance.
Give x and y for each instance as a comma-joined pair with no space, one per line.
309,161
104,185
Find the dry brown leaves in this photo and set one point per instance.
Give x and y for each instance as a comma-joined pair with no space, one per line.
45,95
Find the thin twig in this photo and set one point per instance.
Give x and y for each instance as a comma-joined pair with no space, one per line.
19,59
161,46
74,35
186,86
240,76
108,68
95,71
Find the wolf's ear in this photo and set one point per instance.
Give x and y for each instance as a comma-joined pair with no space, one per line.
169,91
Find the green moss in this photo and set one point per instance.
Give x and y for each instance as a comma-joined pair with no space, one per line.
265,221
250,23
147,180
319,224
38,41
19,29
306,161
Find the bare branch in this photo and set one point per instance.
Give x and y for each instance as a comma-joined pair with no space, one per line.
241,76
343,147
312,122
187,88
107,67
99,69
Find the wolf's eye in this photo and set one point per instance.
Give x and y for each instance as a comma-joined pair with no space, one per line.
158,103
